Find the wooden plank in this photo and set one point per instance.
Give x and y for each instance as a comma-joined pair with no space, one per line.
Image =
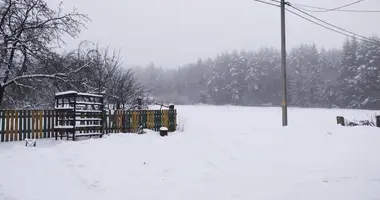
2,126
37,115
40,120
129,120
45,113
33,125
11,124
48,121
165,118
109,127
152,119
7,126
175,120
28,119
133,127
116,121
27,123
15,133
20,133
113,122
47,124
52,120
108,119
172,120
120,116
144,118
148,119
158,120
124,122
138,120
24,119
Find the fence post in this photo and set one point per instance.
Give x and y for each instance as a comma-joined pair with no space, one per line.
7,126
12,120
172,123
2,125
144,118
45,125
128,118
41,125
28,118
124,128
20,129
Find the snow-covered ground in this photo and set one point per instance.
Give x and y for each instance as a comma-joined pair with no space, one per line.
224,153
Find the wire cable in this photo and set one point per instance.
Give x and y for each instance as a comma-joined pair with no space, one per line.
347,5
320,9
342,31
272,4
334,30
360,36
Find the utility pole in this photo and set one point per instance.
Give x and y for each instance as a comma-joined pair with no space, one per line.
283,67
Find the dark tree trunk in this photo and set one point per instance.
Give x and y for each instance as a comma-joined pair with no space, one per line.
2,91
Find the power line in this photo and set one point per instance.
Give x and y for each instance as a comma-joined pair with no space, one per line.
337,9
353,11
272,4
343,6
334,30
344,30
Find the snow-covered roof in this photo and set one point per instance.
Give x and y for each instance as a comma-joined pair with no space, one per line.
75,92
65,93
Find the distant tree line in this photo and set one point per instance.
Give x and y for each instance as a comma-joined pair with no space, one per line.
346,78
32,70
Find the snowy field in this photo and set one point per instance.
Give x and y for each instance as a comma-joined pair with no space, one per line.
224,153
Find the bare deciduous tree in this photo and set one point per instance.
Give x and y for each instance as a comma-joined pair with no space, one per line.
29,29
124,89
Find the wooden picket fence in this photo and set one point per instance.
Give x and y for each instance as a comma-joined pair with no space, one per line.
129,121
17,125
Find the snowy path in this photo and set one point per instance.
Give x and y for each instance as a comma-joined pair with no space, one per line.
224,153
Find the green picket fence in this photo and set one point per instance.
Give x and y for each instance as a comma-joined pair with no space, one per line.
130,121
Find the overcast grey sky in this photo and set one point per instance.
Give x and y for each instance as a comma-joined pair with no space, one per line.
175,32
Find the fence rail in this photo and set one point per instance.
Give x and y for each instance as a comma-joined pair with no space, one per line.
16,125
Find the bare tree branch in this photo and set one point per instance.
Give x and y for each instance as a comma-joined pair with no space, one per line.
59,76
26,86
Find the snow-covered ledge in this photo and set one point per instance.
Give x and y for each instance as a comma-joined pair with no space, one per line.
65,93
